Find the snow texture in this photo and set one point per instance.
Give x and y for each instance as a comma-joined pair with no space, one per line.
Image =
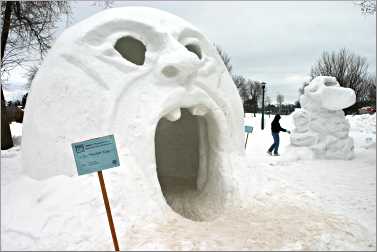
295,203
149,78
320,124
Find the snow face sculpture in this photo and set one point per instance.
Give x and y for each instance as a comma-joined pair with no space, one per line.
320,124
158,85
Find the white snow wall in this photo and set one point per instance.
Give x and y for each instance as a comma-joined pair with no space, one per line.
120,72
320,124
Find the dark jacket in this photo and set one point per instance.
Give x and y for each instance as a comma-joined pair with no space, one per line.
275,125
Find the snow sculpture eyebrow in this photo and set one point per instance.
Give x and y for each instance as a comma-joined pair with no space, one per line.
188,34
100,34
191,39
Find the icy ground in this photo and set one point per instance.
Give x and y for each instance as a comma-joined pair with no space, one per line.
297,204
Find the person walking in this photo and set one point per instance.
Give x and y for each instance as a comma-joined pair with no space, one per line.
275,129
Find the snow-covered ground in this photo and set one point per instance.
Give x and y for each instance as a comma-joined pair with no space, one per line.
296,203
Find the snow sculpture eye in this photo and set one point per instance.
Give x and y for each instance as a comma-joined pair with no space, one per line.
194,49
330,83
131,49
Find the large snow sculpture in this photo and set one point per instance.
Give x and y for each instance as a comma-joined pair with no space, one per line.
158,85
320,124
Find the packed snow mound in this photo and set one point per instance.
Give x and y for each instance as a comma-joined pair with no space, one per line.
363,129
295,205
159,86
320,124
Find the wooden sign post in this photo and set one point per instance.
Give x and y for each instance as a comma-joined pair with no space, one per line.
248,129
108,210
95,155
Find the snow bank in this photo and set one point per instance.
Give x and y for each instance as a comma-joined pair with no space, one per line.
320,124
292,205
363,130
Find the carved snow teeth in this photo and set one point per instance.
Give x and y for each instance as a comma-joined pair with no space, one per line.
198,110
174,115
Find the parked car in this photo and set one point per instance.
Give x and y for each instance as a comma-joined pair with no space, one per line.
367,110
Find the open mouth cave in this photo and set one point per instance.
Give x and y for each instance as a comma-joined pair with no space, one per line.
188,168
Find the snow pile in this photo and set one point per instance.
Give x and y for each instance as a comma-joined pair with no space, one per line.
320,124
159,86
363,129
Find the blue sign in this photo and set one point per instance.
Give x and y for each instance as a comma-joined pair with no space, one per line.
95,154
248,129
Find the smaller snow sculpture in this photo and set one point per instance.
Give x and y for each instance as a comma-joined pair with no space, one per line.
320,124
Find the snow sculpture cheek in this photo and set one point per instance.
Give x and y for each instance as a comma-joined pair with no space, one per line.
160,87
320,123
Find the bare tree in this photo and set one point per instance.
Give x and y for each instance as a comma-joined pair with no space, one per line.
26,26
349,69
30,74
279,100
256,89
297,104
6,136
23,101
368,6
267,101
301,89
371,89
225,57
256,92
249,90
105,4
244,92
267,104
29,25
242,86
238,80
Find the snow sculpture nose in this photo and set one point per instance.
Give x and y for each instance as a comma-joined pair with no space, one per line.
179,65
170,71
326,91
336,98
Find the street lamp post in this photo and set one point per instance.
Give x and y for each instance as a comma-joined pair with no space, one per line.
263,87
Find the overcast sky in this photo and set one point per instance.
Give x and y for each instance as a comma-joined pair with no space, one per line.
273,41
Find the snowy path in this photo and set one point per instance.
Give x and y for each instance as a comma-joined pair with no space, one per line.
345,189
296,204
